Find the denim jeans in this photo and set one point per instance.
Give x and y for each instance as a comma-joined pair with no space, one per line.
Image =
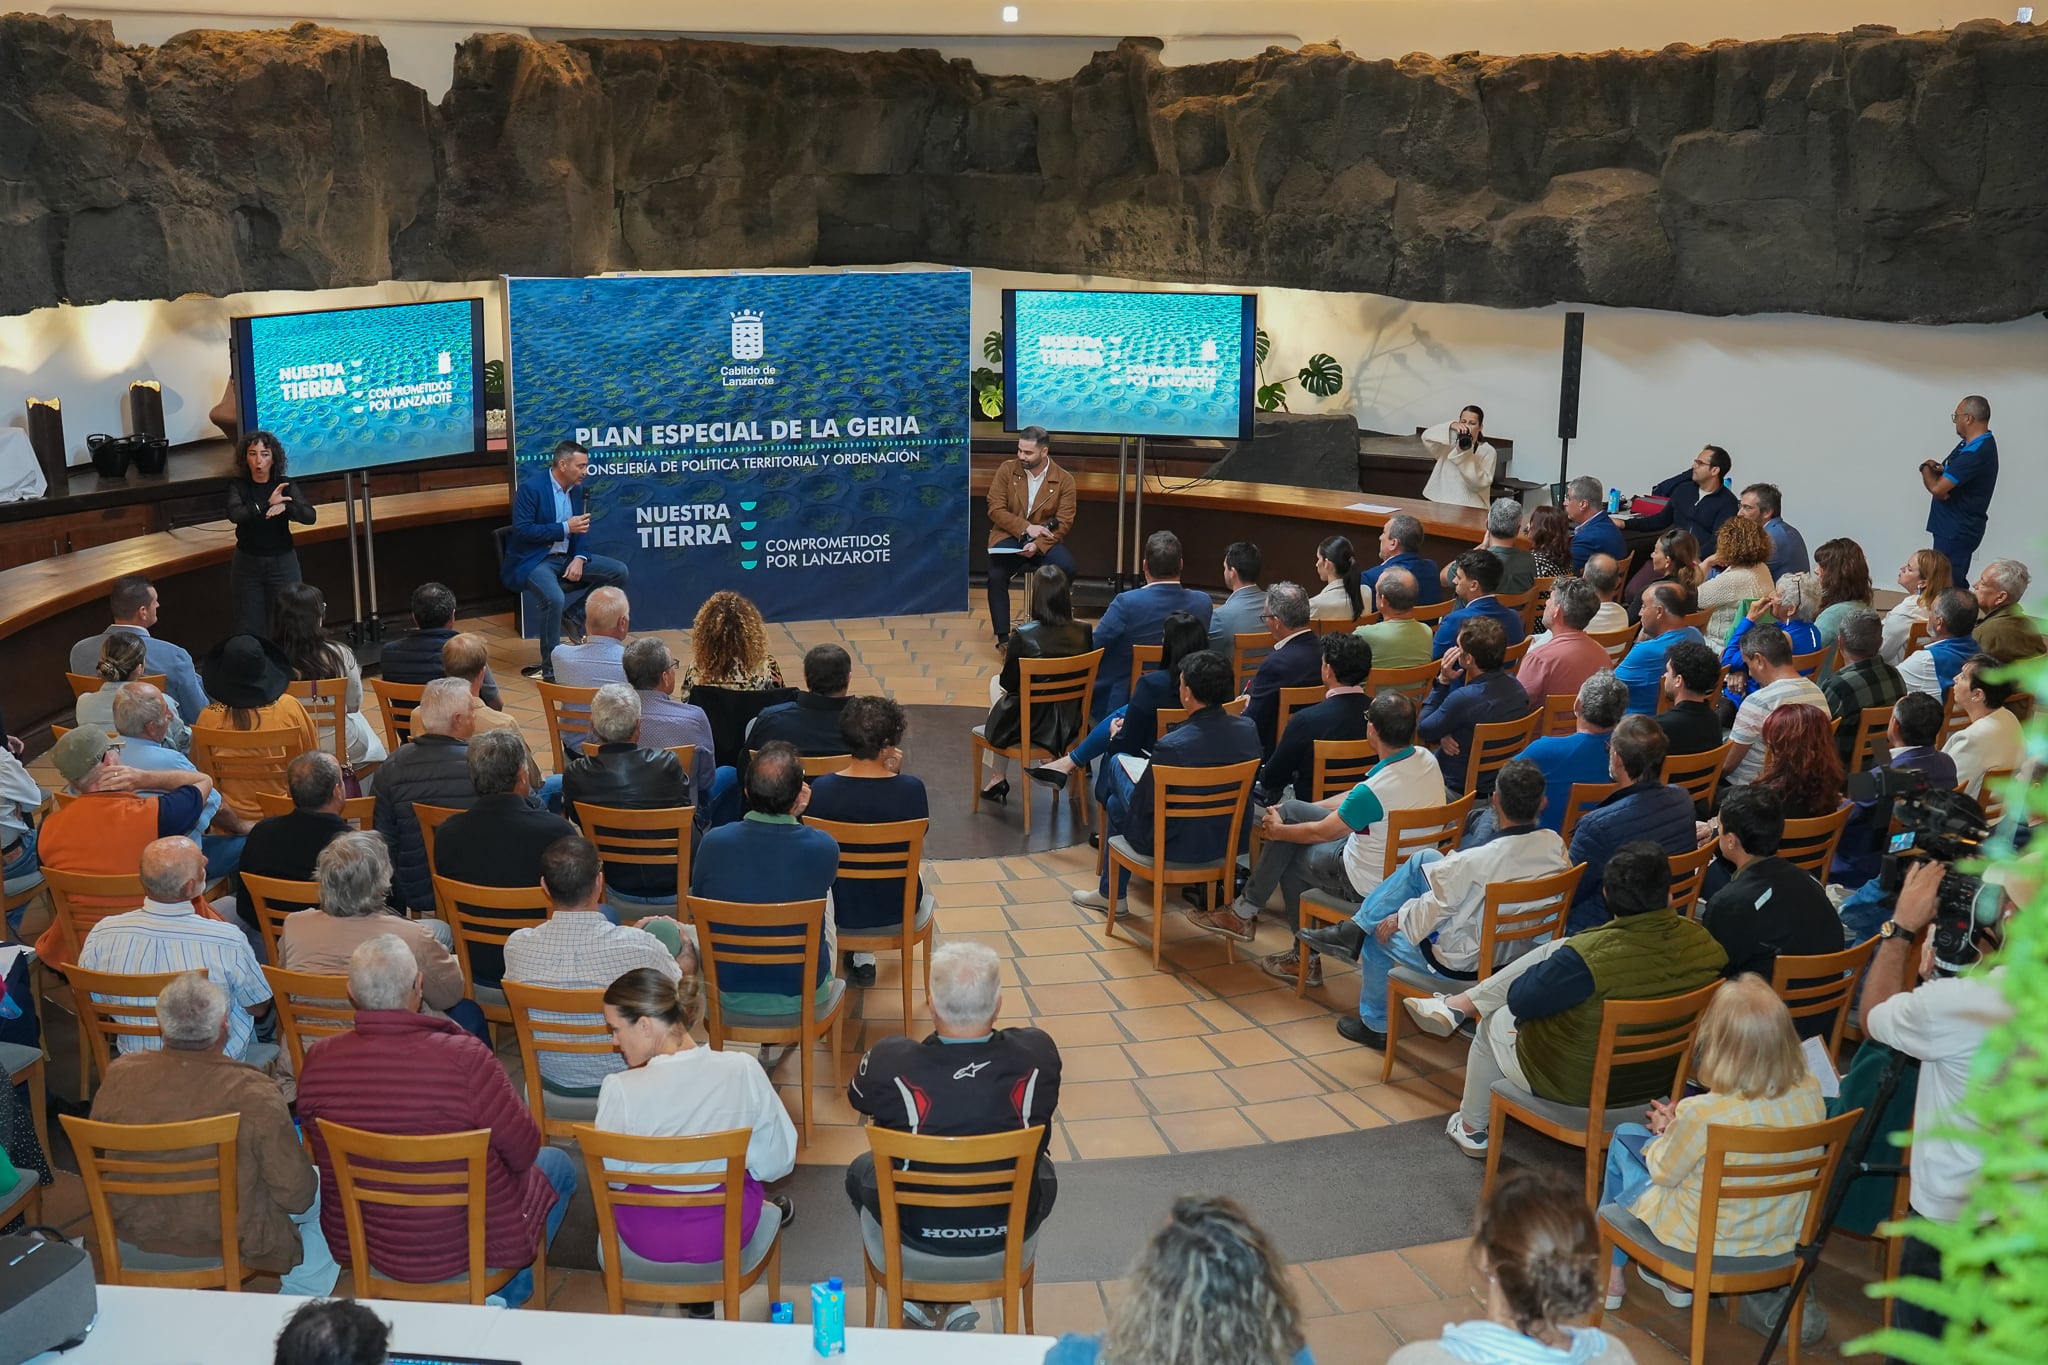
1097,741
1116,813
723,804
1627,1173
21,872
315,1274
555,1164
1864,912
1295,868
1376,959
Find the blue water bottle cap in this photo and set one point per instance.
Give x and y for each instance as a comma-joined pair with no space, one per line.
835,1283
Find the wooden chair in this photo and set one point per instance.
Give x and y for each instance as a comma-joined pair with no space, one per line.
1408,833
629,1276
1560,715
160,1161
1689,879
1953,717
396,1172
1615,642
78,901
271,901
359,811
686,754
1330,625
395,703
1991,795
1170,716
1742,1165
1870,747
1582,798
1823,986
567,710
1413,683
25,1065
888,853
1184,794
1511,657
112,1006
84,683
310,1006
431,819
248,761
1698,619
1435,611
1142,658
1532,610
1339,765
1294,699
570,1025
1519,603
1916,638
326,701
1043,682
953,1173
1248,649
1494,743
642,838
486,915
1811,843
785,935
1528,912
1817,662
1699,774
58,732
1635,1035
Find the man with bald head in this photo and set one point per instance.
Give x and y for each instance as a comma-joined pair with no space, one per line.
168,934
600,659
1398,640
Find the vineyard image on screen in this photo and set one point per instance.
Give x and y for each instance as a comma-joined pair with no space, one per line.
356,388
1129,364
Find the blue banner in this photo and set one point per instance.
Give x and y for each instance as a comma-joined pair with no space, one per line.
799,439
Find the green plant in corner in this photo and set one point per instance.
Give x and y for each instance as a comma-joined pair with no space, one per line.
494,377
1322,377
986,381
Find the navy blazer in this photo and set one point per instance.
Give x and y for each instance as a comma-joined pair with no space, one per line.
1210,738
1297,662
1138,617
1488,605
534,527
1429,579
1596,535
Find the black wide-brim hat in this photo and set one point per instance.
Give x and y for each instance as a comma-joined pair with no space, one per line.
245,672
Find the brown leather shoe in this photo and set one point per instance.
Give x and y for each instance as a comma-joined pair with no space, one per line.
1226,923
1283,965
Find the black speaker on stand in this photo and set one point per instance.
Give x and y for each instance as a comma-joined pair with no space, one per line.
1568,400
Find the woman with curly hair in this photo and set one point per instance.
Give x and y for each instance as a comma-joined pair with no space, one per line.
1844,585
1675,558
1206,1290
262,504
1550,536
729,647
1742,554
1925,576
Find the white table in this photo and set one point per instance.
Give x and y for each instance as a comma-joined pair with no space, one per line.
204,1327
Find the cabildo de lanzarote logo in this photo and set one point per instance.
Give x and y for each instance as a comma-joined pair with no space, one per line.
749,342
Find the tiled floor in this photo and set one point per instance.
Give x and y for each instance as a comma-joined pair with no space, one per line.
1207,1053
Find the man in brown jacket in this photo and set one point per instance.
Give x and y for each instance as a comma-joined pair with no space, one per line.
276,1188
1031,504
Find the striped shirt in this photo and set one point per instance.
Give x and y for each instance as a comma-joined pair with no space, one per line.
1677,1162
580,950
176,938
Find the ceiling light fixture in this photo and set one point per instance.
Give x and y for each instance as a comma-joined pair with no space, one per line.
1009,14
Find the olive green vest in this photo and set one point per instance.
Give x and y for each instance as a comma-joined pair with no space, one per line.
1632,957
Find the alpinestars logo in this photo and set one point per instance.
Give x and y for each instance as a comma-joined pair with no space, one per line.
969,1072
748,339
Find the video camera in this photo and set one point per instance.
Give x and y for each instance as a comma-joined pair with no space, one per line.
1943,826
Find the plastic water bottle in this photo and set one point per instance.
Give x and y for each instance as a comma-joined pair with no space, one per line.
828,1317
1613,501
782,1311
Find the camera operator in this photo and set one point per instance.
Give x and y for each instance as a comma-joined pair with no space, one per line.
1942,1022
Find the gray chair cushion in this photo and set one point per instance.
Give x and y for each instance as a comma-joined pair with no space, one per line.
16,1058
1637,1231
752,1252
1571,1115
923,1265
135,1258
889,933
574,1108
1137,859
488,995
788,1021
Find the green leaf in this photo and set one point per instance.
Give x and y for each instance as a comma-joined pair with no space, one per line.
983,376
494,376
1261,344
992,346
1273,395
991,400
1322,376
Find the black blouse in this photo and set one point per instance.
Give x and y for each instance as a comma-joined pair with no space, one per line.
256,533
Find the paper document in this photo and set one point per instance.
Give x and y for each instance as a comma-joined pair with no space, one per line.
1006,549
1134,766
1816,1052
1370,507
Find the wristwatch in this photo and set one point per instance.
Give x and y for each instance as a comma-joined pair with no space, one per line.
1891,928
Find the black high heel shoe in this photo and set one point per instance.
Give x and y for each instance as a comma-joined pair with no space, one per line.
999,793
1051,777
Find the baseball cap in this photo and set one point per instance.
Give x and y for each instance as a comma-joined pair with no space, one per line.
79,752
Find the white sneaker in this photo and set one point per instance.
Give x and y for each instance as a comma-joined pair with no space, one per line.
1677,1298
1470,1143
1091,899
1434,1015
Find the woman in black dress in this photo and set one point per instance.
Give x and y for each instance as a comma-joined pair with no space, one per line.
262,504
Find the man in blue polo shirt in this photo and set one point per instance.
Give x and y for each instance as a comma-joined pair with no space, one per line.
1401,546
1593,531
1962,486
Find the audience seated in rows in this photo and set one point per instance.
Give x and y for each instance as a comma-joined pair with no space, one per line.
1801,769
810,720
1338,845
1593,531
1646,808
195,1075
1791,606
1293,661
1136,617
1243,609
1475,582
1691,678
1581,756
143,718
1343,595
123,660
1663,628
1770,906
499,835
872,789
1132,728
966,1078
1051,633
627,775
430,769
417,657
1673,560
409,1074
665,723
1398,640
1401,548
246,677
298,617
1550,540
1910,740
1428,916
1556,666
1950,641
1539,1017
288,846
1741,559
467,658
1992,739
1775,682
134,604
1346,662
1861,680
1844,577
1472,687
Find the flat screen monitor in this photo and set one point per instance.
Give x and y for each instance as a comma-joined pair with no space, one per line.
361,388
1127,363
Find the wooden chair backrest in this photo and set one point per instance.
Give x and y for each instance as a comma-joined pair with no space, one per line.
1530,910
1698,619
160,1161
466,908
1916,637
728,1149
1689,878
1776,1164
1324,625
1494,743
1435,611
1953,717
1645,1033
359,811
782,934
400,1172
1294,699
1539,597
1615,642
326,702
83,683
565,708
686,754
1511,657
115,1005
79,900
254,760
1873,725
1340,765
431,819
1411,682
1823,985
645,838
573,1026
1201,794
310,1006
956,1173
1991,796
1814,662
1144,657
1438,827
1582,798
891,852
1170,716
1048,682
1248,649
1811,843
1560,715
395,703
1699,774
272,899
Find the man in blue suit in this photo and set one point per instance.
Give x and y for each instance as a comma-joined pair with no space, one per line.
1294,661
1401,545
1138,617
1593,531
1210,738
1475,578
545,558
